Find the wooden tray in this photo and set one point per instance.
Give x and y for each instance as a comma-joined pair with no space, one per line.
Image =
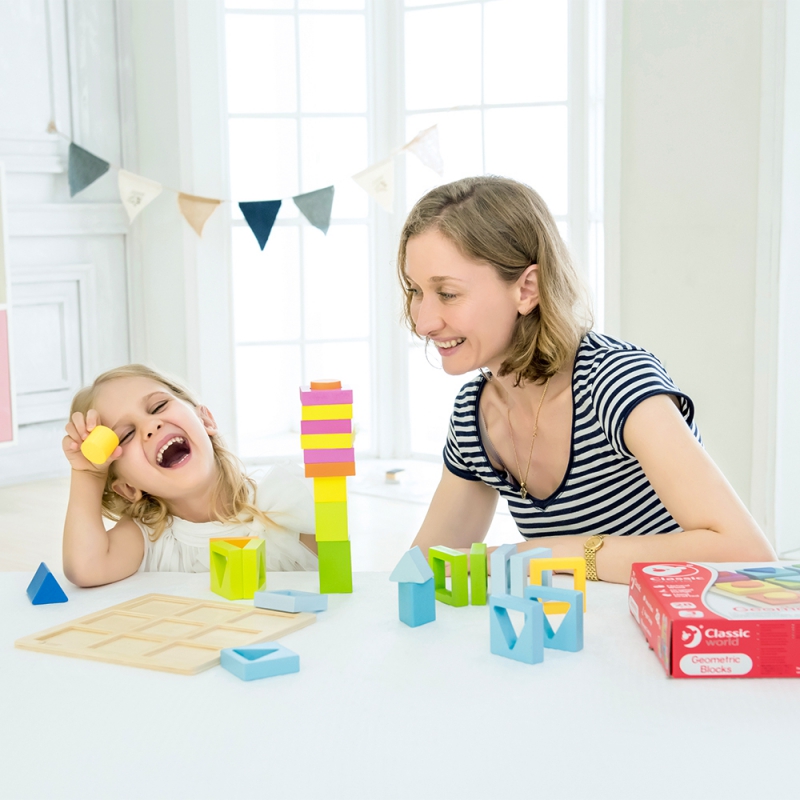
157,631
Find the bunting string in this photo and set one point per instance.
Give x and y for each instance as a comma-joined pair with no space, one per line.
137,192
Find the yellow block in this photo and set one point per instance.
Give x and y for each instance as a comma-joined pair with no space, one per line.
330,490
339,411
578,567
331,519
325,441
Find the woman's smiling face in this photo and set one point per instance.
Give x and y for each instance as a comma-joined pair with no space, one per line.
462,306
166,442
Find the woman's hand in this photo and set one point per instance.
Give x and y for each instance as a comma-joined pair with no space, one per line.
78,428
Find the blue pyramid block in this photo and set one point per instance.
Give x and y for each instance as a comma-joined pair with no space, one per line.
412,568
44,588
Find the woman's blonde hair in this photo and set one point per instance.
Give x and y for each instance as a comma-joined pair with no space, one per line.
507,225
234,494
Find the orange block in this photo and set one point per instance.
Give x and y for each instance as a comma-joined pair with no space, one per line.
325,385
330,470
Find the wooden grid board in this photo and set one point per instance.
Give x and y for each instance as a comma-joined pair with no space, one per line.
164,632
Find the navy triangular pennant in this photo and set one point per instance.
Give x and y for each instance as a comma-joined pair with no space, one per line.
260,217
84,169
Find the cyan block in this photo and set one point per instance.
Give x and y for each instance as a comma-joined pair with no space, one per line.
569,635
762,573
528,647
44,588
498,560
417,602
412,568
264,660
291,600
519,571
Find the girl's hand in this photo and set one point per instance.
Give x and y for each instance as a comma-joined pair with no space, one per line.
78,428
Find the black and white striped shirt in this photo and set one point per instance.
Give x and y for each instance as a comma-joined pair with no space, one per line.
604,489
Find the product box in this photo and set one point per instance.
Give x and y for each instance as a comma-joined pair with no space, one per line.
720,620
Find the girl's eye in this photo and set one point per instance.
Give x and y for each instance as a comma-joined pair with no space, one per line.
159,407
126,437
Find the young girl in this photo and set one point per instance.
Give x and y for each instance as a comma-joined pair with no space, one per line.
171,485
587,437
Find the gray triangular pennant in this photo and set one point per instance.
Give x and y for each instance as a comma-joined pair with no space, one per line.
84,169
316,207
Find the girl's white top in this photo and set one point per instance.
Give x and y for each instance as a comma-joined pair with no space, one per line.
283,494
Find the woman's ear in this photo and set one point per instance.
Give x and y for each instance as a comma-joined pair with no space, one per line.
126,491
528,290
207,418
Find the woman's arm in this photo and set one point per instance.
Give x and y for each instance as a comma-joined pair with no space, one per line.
459,514
92,555
716,525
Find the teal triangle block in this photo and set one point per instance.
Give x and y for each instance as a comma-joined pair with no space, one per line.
412,568
316,207
44,588
84,169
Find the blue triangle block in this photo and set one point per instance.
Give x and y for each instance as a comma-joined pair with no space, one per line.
44,588
412,568
260,217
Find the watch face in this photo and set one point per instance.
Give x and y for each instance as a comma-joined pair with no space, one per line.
595,543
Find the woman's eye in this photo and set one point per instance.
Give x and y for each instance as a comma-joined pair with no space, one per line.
446,296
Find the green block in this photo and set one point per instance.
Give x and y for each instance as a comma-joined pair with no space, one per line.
331,519
335,570
238,567
478,577
458,594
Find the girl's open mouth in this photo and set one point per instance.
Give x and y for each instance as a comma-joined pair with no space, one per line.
174,453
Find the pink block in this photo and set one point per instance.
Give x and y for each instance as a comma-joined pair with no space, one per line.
326,426
6,425
333,456
326,397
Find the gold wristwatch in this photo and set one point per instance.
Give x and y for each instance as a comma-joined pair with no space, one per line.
590,548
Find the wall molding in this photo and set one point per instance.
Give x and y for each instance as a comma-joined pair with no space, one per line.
67,219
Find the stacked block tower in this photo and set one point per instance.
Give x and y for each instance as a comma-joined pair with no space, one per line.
326,436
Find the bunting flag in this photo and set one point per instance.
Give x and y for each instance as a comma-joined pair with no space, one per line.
197,210
136,192
84,169
378,181
425,146
316,207
260,217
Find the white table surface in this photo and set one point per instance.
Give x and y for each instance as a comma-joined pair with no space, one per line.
380,710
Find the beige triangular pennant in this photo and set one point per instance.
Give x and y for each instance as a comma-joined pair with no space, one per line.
136,192
425,146
196,210
378,181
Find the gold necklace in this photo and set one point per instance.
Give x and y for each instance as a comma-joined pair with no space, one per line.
523,484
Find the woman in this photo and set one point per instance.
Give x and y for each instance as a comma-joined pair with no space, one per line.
587,437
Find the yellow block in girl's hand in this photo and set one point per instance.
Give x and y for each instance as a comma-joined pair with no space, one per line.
99,444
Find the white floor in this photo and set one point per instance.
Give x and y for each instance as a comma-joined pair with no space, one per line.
383,517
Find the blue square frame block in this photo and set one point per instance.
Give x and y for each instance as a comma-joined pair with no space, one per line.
44,588
263,660
291,600
569,635
519,569
528,646
501,577
417,603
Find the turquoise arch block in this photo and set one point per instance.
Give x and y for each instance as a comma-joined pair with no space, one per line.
569,635
498,560
528,646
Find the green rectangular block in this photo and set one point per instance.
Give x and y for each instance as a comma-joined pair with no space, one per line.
458,594
335,570
478,577
331,519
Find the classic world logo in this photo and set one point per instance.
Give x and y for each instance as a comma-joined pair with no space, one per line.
692,635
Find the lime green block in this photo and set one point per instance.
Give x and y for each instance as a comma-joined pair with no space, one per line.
478,579
331,519
238,567
335,570
458,594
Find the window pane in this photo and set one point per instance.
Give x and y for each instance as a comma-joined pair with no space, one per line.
443,57
266,286
330,5
267,403
431,395
460,140
530,145
348,362
263,161
261,64
525,51
259,4
332,63
333,149
336,282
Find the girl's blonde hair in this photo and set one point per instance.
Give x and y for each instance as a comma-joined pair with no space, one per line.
234,493
507,225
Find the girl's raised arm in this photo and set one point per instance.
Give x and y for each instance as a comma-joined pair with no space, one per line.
93,556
